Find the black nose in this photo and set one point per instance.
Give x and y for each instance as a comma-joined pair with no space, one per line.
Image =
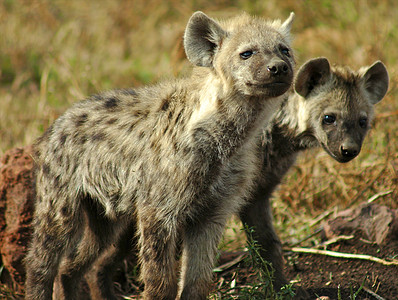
278,67
349,150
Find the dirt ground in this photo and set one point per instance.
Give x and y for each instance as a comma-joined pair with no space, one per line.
322,275
319,275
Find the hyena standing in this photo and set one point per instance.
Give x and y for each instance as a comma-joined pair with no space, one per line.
177,159
332,108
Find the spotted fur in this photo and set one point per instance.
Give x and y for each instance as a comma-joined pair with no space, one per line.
172,161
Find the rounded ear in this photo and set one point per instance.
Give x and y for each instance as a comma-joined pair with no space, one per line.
375,81
202,36
313,73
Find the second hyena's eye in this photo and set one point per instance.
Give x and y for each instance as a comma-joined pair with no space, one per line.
328,119
247,54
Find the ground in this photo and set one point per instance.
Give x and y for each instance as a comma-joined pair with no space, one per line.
322,275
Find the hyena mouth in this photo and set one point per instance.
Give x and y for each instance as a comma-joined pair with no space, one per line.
278,84
339,158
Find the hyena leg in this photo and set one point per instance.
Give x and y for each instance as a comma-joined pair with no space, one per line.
200,242
100,276
52,237
158,246
258,215
99,233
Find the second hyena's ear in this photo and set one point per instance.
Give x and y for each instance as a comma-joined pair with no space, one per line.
313,73
202,36
375,81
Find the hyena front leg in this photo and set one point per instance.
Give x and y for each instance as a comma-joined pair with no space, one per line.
158,250
200,242
258,215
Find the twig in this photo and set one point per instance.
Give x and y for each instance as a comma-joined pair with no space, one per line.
230,263
373,294
378,195
335,240
321,217
345,255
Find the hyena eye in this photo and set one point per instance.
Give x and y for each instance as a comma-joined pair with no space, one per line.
363,122
247,54
329,119
285,51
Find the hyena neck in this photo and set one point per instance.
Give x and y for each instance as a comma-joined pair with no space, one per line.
292,124
226,118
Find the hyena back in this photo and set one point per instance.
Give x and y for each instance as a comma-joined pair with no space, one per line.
173,160
332,107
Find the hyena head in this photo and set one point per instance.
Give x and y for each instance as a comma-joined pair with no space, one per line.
249,55
339,103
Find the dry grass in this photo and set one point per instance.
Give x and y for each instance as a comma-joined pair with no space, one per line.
54,53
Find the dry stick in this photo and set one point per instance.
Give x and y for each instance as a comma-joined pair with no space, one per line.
345,255
335,240
373,294
230,264
378,195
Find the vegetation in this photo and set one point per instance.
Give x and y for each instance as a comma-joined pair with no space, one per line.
54,53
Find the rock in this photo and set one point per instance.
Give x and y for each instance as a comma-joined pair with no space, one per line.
377,223
16,208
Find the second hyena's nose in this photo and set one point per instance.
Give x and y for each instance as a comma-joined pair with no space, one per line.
278,67
349,150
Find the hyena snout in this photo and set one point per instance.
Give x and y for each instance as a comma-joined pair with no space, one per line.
278,67
349,149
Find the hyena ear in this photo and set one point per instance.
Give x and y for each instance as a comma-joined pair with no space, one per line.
375,81
287,26
202,36
314,72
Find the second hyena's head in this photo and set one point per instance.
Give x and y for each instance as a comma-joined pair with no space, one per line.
250,55
339,103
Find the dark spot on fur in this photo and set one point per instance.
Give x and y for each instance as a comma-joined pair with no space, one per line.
178,117
48,242
111,121
99,136
57,180
65,210
140,113
62,139
80,120
111,103
141,135
83,139
46,169
111,144
165,105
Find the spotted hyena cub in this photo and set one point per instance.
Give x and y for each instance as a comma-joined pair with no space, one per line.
172,161
332,107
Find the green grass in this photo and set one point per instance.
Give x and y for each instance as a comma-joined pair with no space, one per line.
53,53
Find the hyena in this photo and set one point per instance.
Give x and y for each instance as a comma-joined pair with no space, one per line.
172,160
332,107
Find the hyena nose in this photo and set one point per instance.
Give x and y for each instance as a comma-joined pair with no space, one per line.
349,150
278,67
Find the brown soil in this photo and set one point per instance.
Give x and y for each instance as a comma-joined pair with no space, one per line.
322,275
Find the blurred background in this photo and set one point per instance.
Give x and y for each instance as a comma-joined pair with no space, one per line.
56,52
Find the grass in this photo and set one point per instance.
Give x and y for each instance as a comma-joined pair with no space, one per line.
54,53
